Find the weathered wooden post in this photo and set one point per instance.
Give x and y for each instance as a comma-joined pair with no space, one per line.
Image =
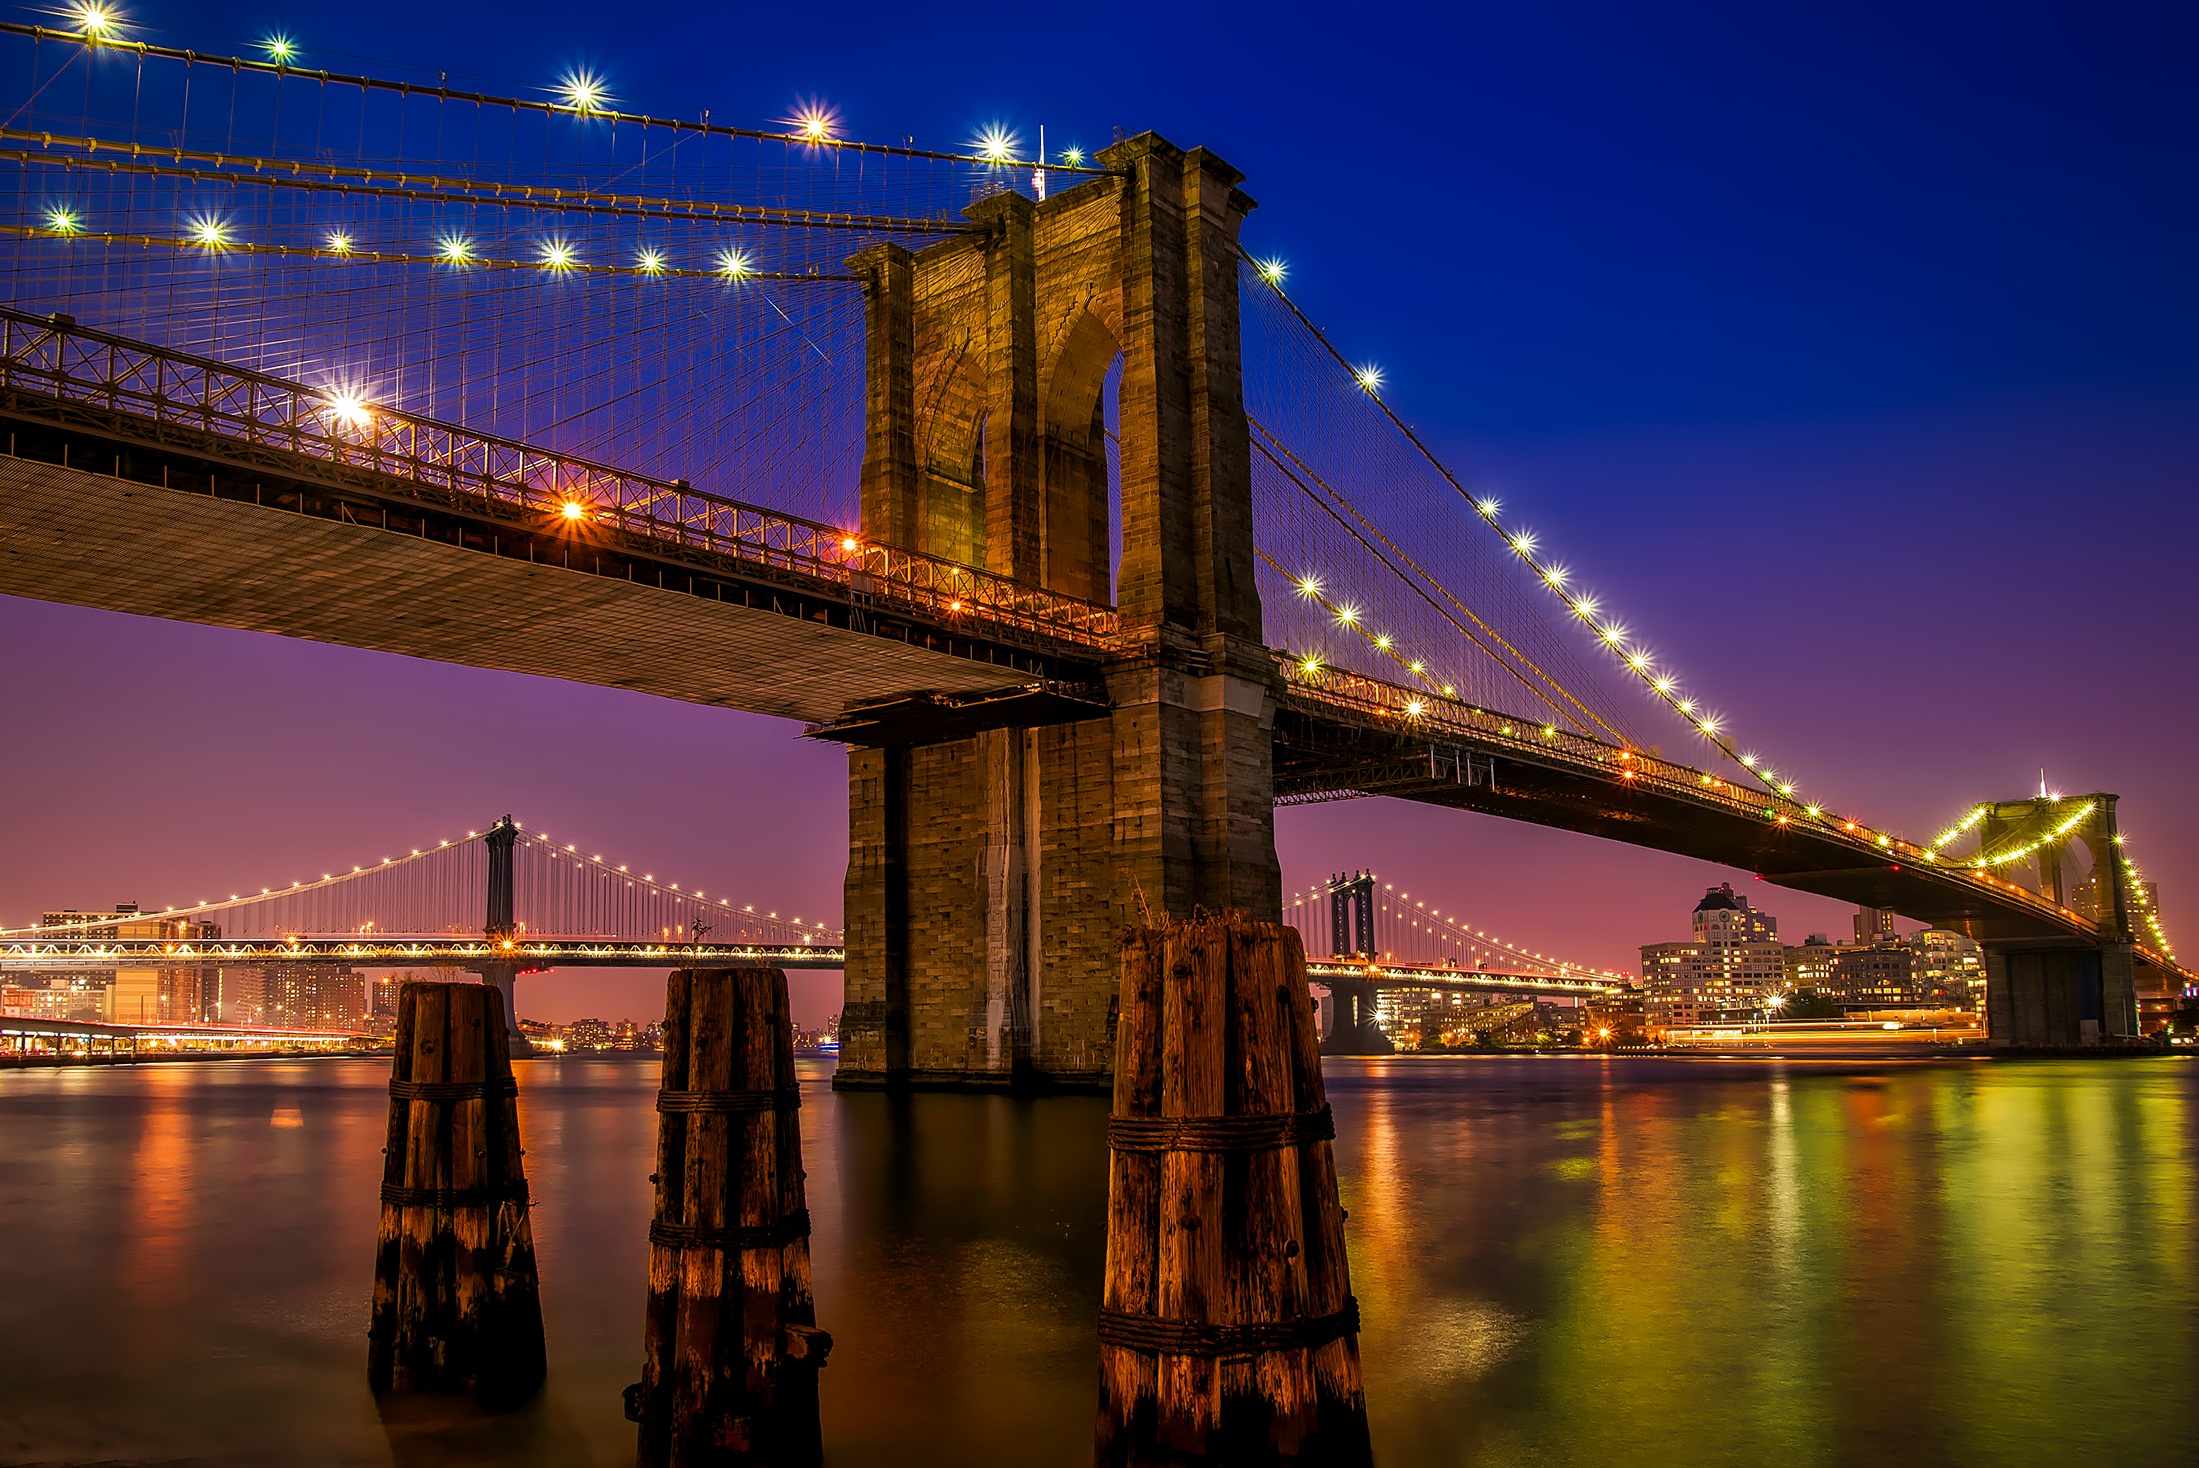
732,1349
456,1305
1228,1332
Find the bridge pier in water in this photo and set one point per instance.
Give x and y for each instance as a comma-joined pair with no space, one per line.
990,869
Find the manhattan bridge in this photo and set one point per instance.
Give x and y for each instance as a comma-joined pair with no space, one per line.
1019,475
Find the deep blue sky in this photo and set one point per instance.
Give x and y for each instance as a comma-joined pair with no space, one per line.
1850,350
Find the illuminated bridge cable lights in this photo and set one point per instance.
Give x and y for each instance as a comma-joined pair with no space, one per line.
1430,590
584,94
555,257
1523,543
97,156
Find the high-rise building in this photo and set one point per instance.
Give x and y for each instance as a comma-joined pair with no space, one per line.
1732,965
312,997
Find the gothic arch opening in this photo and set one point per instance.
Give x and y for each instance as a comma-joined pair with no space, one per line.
951,455
1081,504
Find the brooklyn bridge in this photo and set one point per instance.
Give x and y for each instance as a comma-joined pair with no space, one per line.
1018,475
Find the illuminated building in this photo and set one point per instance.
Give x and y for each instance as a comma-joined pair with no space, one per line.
1726,972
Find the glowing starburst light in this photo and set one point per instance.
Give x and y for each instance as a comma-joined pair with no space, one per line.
349,410
280,49
1524,543
339,242
649,262
1414,708
1369,377
996,144
1309,586
732,264
1309,665
455,249
1710,726
96,21
1663,685
573,510
1382,642
209,231
557,255
1272,270
583,91
1638,661
1487,507
1074,157
63,221
1347,615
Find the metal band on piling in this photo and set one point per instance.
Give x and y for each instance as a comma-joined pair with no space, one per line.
763,1236
729,1103
404,1197
1220,1133
450,1090
1189,1338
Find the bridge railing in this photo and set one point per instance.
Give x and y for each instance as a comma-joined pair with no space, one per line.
1405,710
53,357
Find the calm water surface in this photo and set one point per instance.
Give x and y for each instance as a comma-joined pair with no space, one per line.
1560,1262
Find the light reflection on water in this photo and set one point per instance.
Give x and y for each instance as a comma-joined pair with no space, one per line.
1560,1262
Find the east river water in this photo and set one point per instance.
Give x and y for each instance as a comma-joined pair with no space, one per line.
1560,1262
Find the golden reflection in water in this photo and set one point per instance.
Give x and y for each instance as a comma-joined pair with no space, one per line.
161,1178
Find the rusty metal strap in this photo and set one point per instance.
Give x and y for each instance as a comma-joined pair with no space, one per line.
1219,1133
450,1090
764,1236
728,1103
1188,1338
481,1197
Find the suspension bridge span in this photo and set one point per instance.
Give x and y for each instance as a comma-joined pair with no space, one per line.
507,900
1022,477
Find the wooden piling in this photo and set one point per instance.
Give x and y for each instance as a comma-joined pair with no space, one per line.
1228,1332
456,1302
731,1345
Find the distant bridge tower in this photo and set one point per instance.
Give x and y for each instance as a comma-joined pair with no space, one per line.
989,870
501,924
1351,915
2051,992
1353,1027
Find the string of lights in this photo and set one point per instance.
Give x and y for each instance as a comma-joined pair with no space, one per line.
317,176
1609,633
1504,654
582,93
556,256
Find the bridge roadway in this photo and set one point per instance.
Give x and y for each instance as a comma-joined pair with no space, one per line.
141,480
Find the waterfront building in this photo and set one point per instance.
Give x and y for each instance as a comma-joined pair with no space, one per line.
1809,964
1949,969
1880,976
1726,972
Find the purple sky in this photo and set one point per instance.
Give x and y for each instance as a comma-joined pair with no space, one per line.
1849,354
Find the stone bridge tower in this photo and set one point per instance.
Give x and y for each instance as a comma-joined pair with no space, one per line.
2054,993
989,875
